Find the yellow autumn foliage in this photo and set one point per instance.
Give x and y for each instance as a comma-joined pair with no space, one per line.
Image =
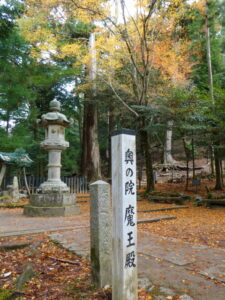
70,50
160,49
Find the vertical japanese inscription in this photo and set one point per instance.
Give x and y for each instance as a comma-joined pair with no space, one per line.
129,190
124,267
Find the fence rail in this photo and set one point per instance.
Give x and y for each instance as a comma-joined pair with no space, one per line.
77,184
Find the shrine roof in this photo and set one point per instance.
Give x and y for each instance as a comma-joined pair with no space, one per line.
22,160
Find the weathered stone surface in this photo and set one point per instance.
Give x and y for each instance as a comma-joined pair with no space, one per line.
54,123
28,274
34,248
174,253
54,186
13,245
101,233
35,211
160,297
76,241
13,190
167,291
144,283
124,201
185,297
215,272
52,199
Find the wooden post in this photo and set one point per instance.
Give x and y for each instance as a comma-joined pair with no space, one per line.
2,173
25,181
124,222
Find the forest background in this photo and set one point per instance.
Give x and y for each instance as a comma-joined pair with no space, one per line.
157,69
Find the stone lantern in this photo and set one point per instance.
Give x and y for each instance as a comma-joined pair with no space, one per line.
55,124
53,198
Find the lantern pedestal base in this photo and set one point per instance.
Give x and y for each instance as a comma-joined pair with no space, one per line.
52,205
53,186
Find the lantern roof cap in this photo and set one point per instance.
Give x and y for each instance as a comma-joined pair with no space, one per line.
54,116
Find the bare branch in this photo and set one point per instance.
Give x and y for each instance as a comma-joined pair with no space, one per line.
120,99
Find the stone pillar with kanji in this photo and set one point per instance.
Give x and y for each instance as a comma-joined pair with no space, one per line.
124,216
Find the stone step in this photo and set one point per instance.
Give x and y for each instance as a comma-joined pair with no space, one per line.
156,219
13,245
12,205
164,208
177,200
210,202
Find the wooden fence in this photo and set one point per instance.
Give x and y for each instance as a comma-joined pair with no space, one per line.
76,184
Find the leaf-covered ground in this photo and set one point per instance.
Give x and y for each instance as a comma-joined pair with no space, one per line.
197,225
53,279
62,275
59,274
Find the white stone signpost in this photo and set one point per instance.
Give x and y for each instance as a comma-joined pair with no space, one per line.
124,222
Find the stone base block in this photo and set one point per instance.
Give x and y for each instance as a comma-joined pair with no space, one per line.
52,199
60,211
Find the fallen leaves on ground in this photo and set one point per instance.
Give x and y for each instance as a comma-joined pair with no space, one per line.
197,225
57,278
59,274
21,203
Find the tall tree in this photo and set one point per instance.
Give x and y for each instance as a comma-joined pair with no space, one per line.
209,68
58,34
14,64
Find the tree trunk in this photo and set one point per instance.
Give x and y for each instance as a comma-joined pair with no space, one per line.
168,159
219,181
80,119
111,127
219,184
193,156
2,173
148,161
212,159
83,162
187,163
187,175
221,170
209,60
7,121
90,146
25,180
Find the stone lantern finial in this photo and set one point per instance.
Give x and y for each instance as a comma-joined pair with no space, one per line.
55,105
